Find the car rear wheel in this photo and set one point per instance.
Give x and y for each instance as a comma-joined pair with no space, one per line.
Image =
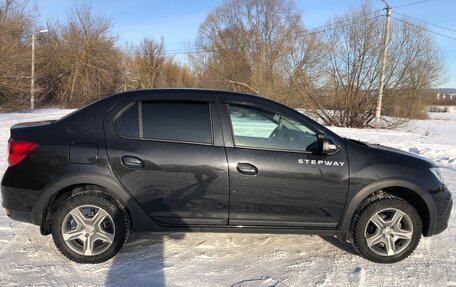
90,227
386,229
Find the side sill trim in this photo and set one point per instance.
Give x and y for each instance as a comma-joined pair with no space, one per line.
282,224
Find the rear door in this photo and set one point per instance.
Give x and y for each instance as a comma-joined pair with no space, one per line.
167,150
276,178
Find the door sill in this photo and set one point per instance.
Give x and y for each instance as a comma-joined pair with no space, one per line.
179,221
281,224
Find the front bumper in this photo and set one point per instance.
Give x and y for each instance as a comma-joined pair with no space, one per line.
444,204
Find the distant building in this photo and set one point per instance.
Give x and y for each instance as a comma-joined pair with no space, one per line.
443,96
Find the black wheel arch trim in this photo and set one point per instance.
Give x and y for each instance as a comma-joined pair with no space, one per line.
352,206
141,220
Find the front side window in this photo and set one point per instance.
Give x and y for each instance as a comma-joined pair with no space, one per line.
177,121
259,128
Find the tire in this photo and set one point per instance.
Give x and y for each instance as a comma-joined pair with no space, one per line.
386,229
90,227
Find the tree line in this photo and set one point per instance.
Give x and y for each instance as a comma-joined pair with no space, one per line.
255,46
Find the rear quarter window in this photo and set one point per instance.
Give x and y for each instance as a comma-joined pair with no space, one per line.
127,122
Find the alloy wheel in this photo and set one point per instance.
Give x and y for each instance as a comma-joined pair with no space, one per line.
88,230
388,232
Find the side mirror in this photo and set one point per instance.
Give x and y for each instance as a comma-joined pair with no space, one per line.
328,146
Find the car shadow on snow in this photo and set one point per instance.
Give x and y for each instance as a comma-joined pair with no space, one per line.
346,246
141,261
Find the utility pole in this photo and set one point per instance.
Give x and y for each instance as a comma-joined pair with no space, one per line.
378,110
32,77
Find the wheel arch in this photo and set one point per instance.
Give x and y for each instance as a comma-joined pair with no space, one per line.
420,199
65,187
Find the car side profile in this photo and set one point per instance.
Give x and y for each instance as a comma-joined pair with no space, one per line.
205,160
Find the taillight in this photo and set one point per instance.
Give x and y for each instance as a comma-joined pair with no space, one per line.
18,150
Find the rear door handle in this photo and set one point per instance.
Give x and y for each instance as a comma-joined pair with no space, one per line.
247,168
131,161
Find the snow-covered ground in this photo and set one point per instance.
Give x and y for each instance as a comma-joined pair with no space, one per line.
218,259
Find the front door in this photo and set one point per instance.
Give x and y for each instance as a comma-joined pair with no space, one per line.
276,177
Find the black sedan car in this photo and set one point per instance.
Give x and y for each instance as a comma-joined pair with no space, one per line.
203,160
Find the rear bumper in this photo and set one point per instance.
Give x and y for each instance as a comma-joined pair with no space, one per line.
19,202
19,215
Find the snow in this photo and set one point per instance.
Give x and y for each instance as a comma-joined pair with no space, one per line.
221,259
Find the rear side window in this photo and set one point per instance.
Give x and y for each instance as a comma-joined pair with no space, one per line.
177,121
127,123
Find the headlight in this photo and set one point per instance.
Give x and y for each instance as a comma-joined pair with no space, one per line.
437,173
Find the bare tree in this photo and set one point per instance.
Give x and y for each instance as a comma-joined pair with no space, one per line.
82,61
16,22
350,68
254,46
176,75
248,45
146,64
149,67
263,47
417,65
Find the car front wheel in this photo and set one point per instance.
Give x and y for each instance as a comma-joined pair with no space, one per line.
386,229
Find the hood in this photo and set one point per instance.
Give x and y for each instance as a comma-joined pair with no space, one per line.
394,151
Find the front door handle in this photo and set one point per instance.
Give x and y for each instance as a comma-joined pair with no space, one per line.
133,162
247,168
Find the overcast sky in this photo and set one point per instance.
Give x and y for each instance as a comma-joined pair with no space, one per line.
177,21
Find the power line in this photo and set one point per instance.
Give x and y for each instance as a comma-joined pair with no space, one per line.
339,27
346,19
316,30
410,4
302,35
423,28
299,35
310,32
212,68
427,23
313,31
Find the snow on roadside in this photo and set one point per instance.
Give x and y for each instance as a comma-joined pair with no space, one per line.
218,259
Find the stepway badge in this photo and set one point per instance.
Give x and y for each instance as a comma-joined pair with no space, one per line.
321,162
